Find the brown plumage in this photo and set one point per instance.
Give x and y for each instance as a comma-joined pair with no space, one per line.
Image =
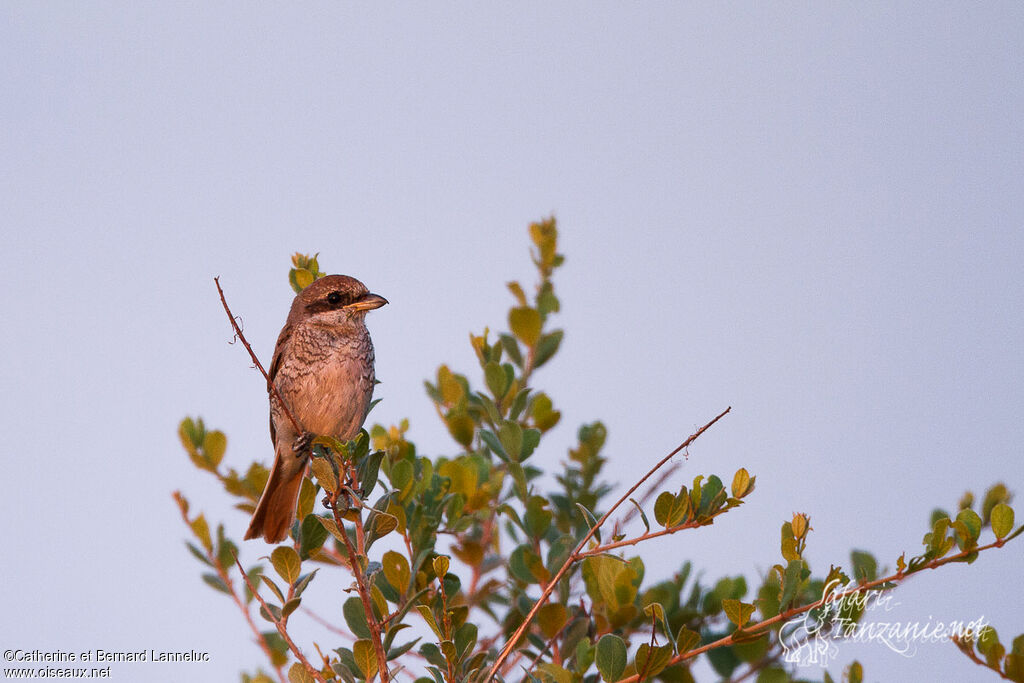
323,368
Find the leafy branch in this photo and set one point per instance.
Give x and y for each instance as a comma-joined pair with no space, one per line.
506,570
578,553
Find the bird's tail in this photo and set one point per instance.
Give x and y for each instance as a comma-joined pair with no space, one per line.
276,510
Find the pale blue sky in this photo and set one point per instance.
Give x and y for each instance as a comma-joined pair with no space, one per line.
810,212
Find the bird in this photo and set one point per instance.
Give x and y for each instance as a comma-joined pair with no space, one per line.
323,370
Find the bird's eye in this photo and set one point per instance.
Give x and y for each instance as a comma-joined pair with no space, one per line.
334,298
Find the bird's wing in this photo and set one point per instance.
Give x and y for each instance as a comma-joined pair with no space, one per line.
275,365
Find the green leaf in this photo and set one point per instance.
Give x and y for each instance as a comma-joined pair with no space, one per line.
273,586
461,426
355,617
332,527
531,439
216,583
972,521
551,618
307,498
1014,667
671,510
525,323
1002,520
379,524
585,652
493,443
549,672
517,292
511,436
610,657
396,652
401,475
496,379
199,554
432,653
742,483
791,582
547,302
271,613
537,518
686,640
591,521
643,515
526,565
543,413
325,474
428,616
290,606
650,661
286,563
312,535
511,346
788,543
396,570
865,566
774,674
214,445
547,347
202,531
368,470
366,658
298,673
465,638
440,564
303,582
611,581
191,433
738,612
712,495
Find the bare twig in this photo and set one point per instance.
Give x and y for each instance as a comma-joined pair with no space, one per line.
252,354
576,554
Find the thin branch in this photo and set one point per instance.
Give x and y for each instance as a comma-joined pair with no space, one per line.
692,524
223,574
248,617
968,649
252,354
669,471
313,671
362,588
796,611
574,557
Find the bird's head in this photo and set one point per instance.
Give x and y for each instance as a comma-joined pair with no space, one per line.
334,300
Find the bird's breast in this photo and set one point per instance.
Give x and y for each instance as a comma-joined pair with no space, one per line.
327,380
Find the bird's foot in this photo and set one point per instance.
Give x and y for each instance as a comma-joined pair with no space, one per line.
301,444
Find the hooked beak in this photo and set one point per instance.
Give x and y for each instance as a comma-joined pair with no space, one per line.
368,303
